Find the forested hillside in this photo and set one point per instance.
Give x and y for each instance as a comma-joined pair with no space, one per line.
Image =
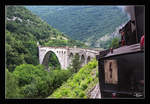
90,24
80,83
25,78
23,31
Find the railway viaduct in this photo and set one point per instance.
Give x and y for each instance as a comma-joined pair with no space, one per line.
65,55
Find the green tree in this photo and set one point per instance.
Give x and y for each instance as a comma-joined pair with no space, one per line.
37,82
12,89
54,62
76,64
114,43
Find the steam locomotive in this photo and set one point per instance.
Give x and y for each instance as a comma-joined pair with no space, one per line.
121,70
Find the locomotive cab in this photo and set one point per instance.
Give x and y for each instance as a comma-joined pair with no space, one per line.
121,70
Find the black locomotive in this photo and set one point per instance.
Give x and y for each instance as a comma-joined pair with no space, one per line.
121,70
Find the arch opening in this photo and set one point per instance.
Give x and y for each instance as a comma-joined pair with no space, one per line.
88,59
51,61
82,60
70,58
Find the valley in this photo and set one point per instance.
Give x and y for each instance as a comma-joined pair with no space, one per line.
68,30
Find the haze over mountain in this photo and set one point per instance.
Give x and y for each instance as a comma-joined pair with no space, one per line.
90,24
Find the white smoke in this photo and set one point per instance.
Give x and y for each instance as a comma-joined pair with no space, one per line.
116,32
124,10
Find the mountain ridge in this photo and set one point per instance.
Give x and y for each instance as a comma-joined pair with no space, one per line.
85,23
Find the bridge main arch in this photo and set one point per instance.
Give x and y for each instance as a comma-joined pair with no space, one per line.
60,53
47,57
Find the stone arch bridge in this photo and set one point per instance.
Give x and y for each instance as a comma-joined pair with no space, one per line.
65,55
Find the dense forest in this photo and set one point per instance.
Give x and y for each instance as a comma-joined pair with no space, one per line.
23,31
90,24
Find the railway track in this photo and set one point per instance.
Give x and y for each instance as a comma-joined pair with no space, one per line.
95,92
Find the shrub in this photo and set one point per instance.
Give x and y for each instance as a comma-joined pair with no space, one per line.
64,92
76,86
84,86
29,91
12,89
76,64
36,82
97,74
114,43
82,94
